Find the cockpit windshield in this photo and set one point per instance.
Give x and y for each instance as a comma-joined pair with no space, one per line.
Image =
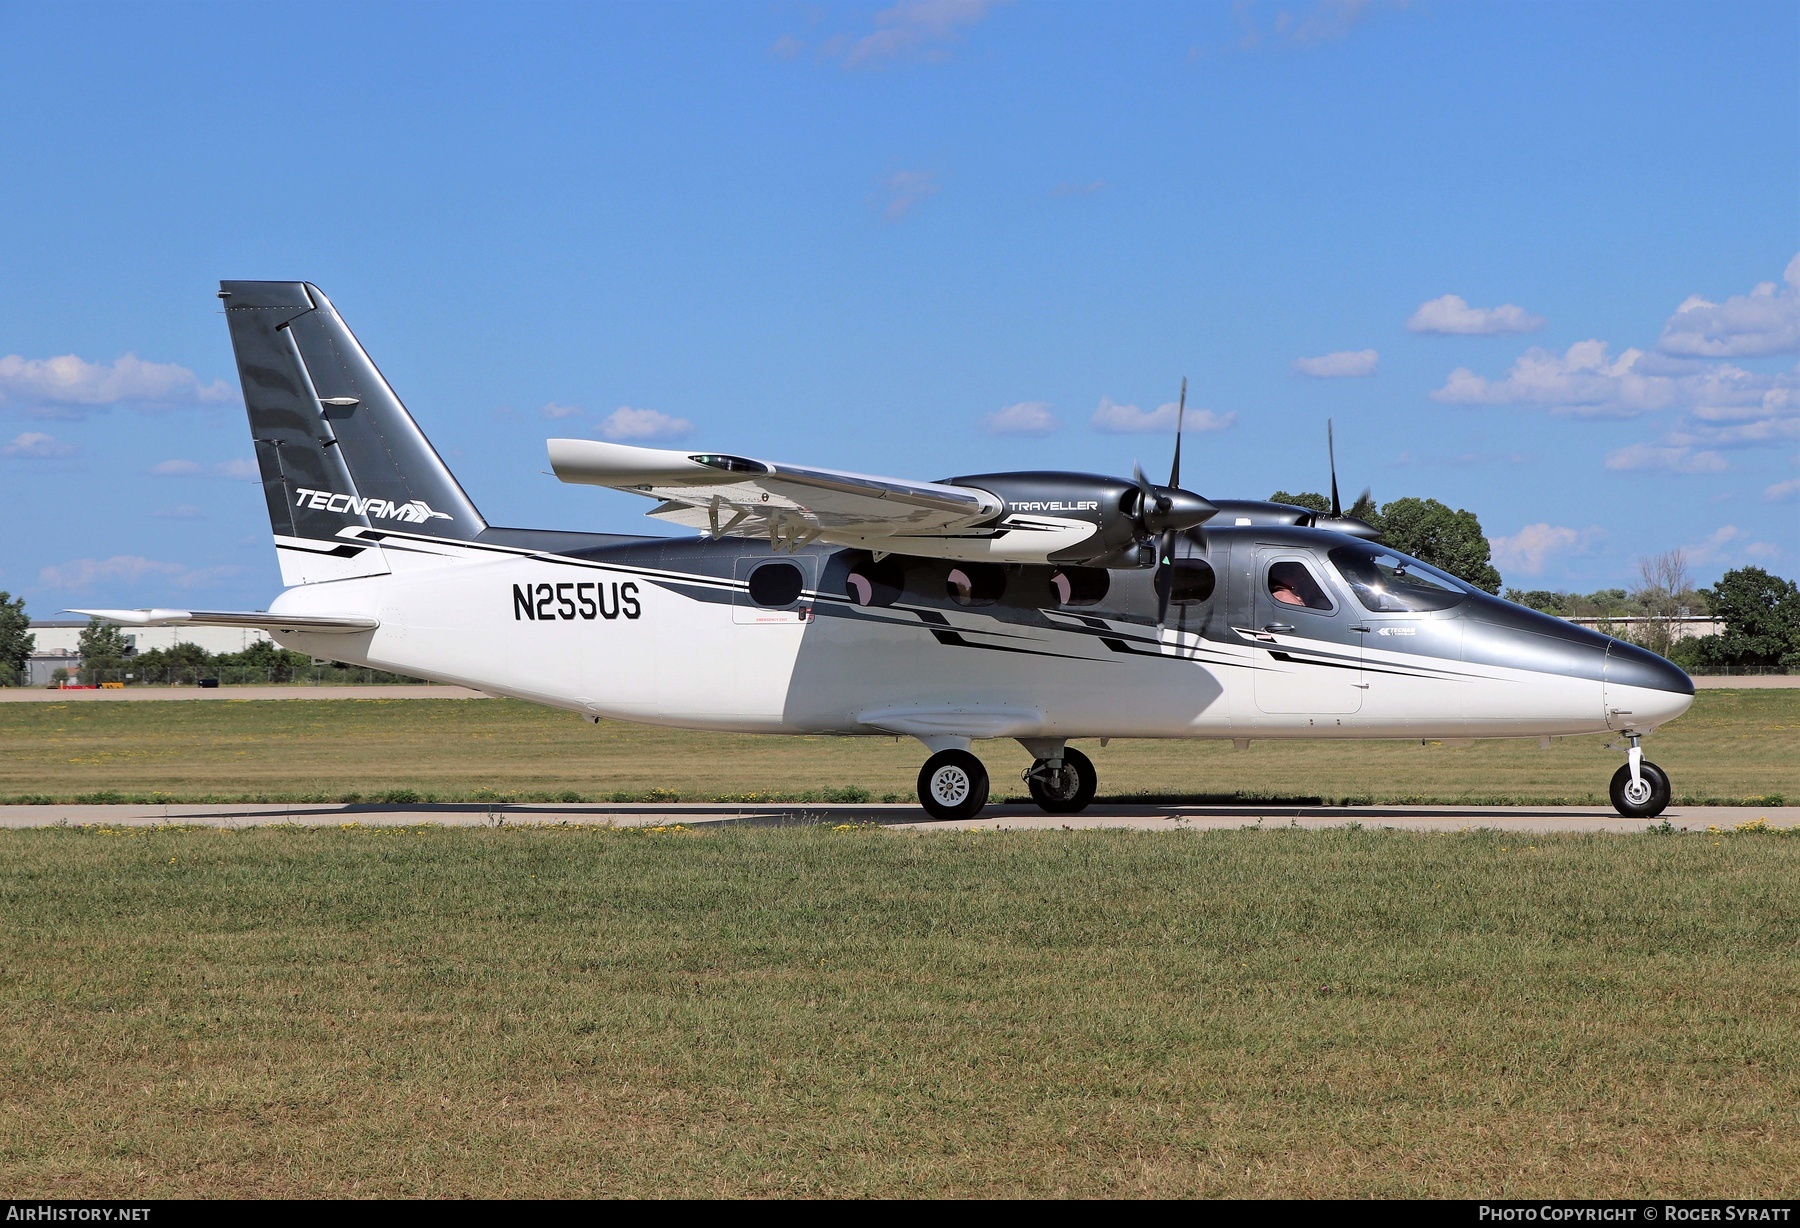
1390,583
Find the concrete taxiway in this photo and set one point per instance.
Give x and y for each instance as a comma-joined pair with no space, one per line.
1534,819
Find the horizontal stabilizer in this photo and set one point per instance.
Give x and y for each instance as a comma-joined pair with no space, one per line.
325,623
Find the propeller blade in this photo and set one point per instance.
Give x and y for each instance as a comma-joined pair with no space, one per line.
1337,509
1180,413
1150,500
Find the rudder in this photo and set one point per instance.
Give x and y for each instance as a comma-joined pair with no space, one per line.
336,448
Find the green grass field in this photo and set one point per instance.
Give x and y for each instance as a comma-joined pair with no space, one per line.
1734,746
542,1011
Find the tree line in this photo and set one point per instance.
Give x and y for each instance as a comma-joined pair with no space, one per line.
106,656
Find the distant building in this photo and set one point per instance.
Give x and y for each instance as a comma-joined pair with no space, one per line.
1681,626
58,641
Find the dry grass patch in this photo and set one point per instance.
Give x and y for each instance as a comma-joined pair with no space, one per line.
1732,747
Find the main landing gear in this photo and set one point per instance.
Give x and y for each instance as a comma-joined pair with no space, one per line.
1064,784
953,785
1640,789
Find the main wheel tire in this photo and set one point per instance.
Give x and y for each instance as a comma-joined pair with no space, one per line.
1644,799
953,786
1068,791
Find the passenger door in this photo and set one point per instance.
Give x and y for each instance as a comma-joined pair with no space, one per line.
1312,638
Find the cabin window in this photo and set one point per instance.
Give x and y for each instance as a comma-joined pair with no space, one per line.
1390,583
775,585
1079,585
872,583
1191,581
1292,587
975,583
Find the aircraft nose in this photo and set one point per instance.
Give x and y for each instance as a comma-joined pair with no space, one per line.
1629,665
1644,690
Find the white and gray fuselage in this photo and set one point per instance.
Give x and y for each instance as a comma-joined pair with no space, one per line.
681,632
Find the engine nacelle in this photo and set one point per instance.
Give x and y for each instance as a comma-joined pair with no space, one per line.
1258,511
1086,519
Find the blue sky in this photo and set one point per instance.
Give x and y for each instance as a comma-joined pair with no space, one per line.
1535,260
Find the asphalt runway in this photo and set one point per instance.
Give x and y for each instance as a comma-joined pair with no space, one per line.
905,817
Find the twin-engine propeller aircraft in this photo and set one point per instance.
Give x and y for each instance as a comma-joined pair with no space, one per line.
1043,607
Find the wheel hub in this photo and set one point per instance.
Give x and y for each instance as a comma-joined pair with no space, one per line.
1060,784
1638,791
950,786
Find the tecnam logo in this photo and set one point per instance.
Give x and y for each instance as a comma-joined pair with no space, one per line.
416,512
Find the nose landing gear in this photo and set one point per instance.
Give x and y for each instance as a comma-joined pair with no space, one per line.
1640,789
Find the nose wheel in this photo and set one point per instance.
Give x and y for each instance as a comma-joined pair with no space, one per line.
953,786
1640,789
1064,786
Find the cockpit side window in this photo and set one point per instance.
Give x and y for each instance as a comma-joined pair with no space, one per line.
1292,586
1389,583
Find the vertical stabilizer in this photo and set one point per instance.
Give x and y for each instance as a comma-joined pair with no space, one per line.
336,448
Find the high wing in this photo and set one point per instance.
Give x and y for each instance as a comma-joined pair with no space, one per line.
330,624
742,497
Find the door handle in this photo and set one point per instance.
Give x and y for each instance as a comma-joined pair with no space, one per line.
1364,627
1279,628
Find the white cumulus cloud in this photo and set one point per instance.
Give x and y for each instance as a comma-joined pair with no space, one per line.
1025,418
1712,402
1116,419
1452,315
35,445
1764,321
69,386
1338,365
1585,380
1674,458
176,468
1781,492
628,423
239,470
554,411
1723,541
1529,548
